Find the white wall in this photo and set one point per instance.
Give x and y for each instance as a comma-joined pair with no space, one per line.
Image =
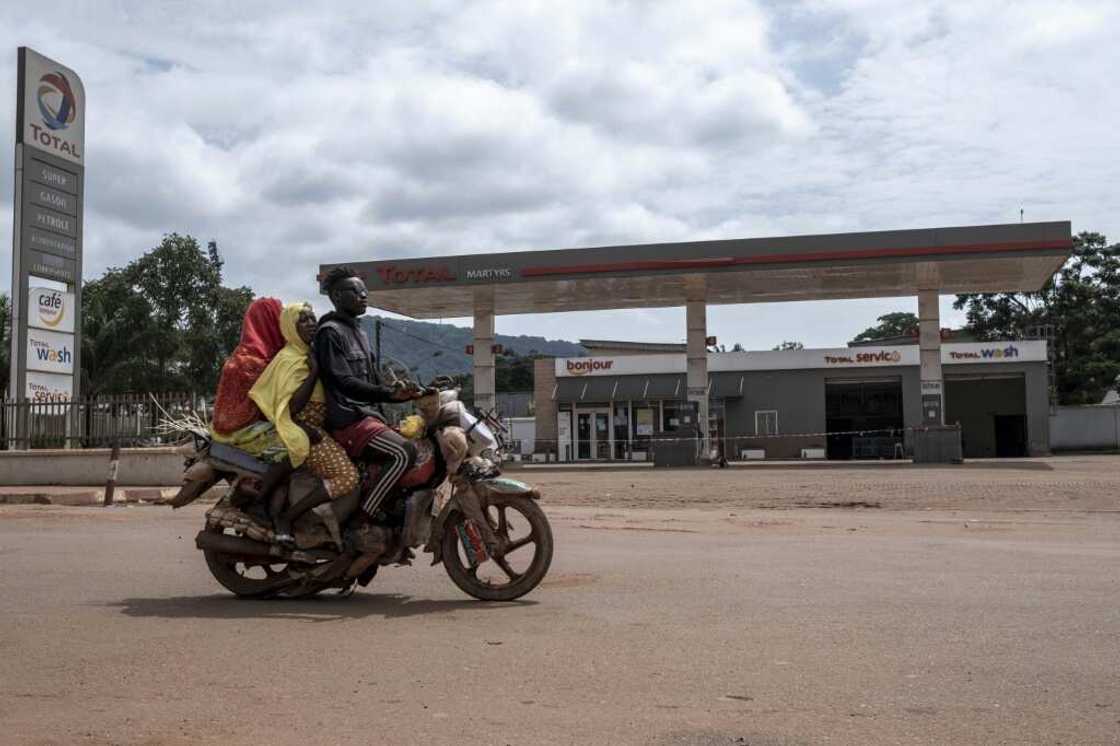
1085,428
525,430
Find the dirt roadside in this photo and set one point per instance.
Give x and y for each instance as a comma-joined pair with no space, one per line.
1067,483
1075,483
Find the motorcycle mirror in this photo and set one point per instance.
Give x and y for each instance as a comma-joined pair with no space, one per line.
395,372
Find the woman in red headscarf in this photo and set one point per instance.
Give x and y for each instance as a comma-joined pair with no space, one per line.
260,341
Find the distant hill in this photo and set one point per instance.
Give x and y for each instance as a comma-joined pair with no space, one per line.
440,349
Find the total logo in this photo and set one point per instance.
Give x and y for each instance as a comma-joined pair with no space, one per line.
884,356
41,393
894,356
58,108
51,307
392,275
999,353
56,101
45,352
583,367
987,353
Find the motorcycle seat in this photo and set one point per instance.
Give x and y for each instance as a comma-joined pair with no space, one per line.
237,458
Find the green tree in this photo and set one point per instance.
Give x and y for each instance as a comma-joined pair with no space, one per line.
162,323
897,324
212,334
513,372
176,278
117,332
1079,305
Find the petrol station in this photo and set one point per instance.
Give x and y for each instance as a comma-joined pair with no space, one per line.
907,391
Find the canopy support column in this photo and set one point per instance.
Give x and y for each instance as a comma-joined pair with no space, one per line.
929,345
485,398
696,319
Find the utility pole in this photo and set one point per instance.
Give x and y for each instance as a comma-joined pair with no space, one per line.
377,340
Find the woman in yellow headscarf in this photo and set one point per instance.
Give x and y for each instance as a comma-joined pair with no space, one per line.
290,395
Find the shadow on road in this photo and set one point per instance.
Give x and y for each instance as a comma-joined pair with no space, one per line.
1011,464
318,609
819,466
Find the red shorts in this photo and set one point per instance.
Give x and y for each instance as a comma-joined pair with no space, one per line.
353,438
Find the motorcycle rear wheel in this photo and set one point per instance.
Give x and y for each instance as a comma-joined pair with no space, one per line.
518,583
242,576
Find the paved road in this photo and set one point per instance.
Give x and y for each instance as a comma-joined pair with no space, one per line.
655,627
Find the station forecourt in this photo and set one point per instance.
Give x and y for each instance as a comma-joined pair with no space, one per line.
615,403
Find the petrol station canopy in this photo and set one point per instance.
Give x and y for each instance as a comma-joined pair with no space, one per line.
969,259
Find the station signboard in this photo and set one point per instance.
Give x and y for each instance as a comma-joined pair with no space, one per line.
47,235
51,309
972,353
50,352
51,107
48,387
50,267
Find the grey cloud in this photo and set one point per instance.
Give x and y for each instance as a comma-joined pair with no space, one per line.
486,193
294,187
147,193
295,136
224,137
305,233
688,110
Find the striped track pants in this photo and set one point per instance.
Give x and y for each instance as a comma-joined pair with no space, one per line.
396,456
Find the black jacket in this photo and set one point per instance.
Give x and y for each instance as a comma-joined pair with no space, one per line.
348,372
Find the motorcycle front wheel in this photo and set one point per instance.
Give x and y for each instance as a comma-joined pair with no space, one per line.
514,569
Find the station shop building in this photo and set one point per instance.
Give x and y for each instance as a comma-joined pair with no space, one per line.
844,403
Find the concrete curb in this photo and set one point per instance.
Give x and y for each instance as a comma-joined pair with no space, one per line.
86,496
77,468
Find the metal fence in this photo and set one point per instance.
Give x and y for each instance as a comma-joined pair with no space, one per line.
128,420
133,420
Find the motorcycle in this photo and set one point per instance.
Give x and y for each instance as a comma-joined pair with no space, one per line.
454,503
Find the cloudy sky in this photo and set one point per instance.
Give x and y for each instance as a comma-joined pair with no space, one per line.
396,129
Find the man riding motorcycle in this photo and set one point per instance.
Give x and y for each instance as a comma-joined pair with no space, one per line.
353,387
314,531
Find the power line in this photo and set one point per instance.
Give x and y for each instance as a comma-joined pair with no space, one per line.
384,325
419,338
459,351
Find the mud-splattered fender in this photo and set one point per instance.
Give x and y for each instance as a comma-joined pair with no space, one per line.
507,486
479,491
435,536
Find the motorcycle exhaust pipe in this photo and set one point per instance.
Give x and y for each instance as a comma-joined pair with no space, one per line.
238,545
